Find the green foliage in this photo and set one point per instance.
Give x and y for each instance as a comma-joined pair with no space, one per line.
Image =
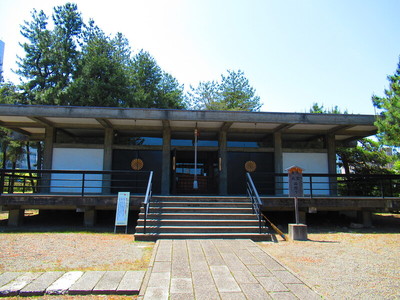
78,64
50,55
317,109
232,93
389,122
366,157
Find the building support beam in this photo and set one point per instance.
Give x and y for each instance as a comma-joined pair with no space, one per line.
15,216
89,217
278,162
107,159
223,163
166,161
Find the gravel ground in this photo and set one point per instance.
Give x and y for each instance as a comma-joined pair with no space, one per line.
345,263
72,251
337,261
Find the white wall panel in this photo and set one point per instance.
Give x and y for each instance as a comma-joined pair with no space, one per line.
76,159
311,163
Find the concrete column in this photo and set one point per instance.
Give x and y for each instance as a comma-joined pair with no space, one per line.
107,159
365,217
15,216
331,148
278,162
49,140
223,163
89,216
166,161
302,217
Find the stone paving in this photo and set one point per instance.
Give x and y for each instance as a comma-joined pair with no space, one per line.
178,269
72,283
218,269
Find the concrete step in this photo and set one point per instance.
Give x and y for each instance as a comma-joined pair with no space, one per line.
252,236
200,199
195,216
198,222
203,209
199,204
197,229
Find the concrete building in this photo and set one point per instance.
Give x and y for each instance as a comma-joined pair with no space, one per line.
225,144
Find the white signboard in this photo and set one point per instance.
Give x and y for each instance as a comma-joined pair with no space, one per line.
121,216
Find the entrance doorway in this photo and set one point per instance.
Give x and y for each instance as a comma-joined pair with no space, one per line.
183,172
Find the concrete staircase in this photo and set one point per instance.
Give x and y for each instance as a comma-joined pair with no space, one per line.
199,217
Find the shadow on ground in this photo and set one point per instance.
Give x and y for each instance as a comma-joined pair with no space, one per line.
329,222
67,221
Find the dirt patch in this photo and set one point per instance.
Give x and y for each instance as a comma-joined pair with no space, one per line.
343,263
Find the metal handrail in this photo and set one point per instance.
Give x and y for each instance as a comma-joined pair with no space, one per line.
255,200
71,181
320,184
147,199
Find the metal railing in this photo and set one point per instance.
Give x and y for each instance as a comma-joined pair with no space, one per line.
147,199
255,200
81,182
319,185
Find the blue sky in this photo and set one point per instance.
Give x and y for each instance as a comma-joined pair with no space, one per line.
293,52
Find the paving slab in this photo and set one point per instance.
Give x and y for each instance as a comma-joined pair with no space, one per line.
219,269
224,279
286,277
40,284
181,286
109,283
86,284
303,292
62,285
272,284
7,277
254,291
131,283
13,287
156,293
283,296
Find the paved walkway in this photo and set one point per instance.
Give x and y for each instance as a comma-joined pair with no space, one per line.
72,283
218,269
179,269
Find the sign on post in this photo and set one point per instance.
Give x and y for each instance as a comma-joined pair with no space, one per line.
295,176
121,215
295,181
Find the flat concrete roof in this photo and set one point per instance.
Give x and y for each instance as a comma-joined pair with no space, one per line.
31,120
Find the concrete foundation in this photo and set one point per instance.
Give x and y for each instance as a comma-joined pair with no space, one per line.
298,232
89,217
15,217
365,217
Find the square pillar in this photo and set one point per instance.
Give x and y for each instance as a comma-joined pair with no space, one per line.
223,163
278,162
166,160
15,216
89,216
331,148
49,140
107,159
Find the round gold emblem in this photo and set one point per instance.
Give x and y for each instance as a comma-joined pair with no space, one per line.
250,166
137,164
